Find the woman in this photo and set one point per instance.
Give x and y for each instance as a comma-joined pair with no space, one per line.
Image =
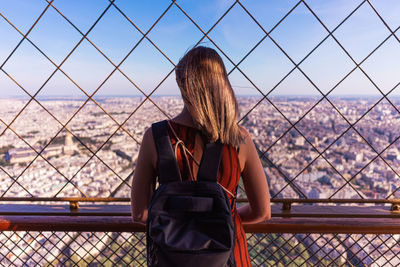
210,113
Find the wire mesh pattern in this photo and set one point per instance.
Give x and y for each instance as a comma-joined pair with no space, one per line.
323,250
72,249
295,119
295,141
123,249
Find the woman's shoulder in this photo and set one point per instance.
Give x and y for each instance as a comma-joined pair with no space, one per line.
245,146
246,137
148,139
148,147
148,134
243,131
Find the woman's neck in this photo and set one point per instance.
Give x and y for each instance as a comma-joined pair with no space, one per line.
184,118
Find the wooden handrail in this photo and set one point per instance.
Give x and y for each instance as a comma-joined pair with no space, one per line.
275,225
309,211
110,218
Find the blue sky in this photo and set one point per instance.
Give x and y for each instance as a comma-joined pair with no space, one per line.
174,34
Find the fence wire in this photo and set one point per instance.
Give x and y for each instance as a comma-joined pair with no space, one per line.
129,249
266,153
286,159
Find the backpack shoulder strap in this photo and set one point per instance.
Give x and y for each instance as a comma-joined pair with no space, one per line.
210,161
167,165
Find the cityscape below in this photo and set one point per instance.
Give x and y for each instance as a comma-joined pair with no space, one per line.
342,147
335,150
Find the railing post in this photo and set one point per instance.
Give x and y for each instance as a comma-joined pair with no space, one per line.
286,205
73,205
395,207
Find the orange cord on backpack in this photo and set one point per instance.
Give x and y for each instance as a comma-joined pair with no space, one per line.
185,150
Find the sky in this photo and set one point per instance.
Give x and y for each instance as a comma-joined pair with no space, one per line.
235,34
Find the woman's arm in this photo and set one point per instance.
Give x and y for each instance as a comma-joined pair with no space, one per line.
143,178
255,184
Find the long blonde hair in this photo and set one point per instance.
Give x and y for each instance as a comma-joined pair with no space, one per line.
208,95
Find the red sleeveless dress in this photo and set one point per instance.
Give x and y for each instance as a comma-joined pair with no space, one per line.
228,176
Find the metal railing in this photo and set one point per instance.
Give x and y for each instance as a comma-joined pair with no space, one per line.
74,248
267,250
69,235
123,249
93,151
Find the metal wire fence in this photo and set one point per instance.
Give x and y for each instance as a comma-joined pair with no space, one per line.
321,146
123,249
298,120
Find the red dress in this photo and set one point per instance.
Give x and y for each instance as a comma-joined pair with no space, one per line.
228,176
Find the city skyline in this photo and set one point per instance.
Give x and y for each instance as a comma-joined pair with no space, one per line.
318,152
322,162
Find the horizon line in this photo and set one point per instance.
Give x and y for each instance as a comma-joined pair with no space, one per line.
69,97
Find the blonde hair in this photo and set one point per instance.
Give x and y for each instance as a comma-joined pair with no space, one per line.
208,95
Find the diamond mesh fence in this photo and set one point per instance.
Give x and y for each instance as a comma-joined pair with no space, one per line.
312,140
123,249
317,138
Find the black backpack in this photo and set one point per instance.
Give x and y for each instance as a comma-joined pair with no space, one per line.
189,222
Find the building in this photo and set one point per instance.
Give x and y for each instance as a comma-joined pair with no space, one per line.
24,155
